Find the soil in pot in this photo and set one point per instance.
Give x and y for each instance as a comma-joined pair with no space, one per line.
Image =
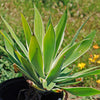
19,89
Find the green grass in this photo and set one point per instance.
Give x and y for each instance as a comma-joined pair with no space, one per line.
78,11
7,70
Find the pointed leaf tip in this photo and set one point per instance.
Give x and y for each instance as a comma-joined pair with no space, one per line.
48,48
49,22
59,30
27,30
38,27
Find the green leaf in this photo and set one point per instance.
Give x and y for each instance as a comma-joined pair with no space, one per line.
48,87
87,72
27,30
27,66
6,36
38,27
48,48
82,91
59,30
94,72
7,58
78,31
9,48
66,71
3,49
57,65
15,38
35,56
9,44
67,84
49,22
80,50
55,71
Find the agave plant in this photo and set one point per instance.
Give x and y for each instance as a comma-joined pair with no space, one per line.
42,62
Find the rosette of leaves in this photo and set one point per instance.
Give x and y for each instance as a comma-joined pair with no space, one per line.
40,60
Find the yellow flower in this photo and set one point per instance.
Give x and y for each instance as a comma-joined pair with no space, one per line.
96,46
92,60
98,61
98,81
81,65
96,56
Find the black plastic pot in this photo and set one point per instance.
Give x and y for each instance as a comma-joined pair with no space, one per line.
14,89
